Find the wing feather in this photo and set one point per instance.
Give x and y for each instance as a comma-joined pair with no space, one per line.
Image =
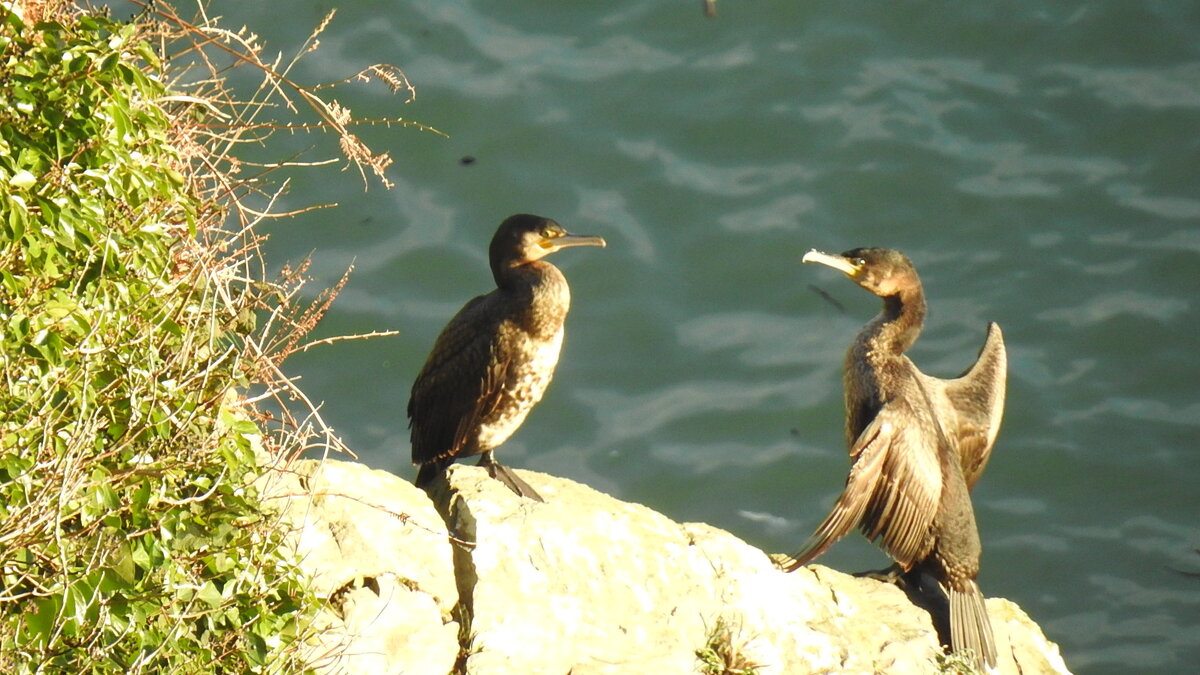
892,492
975,401
905,504
459,380
852,503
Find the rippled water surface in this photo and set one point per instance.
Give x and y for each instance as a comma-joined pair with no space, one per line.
1038,161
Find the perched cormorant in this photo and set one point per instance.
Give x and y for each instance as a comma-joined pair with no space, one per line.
492,362
917,444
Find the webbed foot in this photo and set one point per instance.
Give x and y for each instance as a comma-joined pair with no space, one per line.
893,575
509,477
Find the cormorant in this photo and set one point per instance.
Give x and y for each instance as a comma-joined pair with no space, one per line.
918,444
492,362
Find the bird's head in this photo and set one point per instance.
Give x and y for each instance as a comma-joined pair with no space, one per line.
882,271
524,238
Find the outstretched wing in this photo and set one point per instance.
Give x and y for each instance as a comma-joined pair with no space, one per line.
861,484
977,399
460,383
892,491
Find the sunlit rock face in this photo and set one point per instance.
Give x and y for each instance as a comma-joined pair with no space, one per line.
491,583
376,548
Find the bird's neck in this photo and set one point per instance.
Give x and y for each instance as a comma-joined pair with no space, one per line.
874,367
896,328
541,290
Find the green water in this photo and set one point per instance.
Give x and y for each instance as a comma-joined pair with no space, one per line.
1038,161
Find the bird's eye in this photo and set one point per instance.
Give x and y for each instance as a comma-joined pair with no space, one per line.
549,233
859,262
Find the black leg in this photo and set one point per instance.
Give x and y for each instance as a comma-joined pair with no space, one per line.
508,477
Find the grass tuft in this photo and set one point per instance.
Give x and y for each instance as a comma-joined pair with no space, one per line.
722,655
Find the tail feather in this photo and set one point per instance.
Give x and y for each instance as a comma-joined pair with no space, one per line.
969,625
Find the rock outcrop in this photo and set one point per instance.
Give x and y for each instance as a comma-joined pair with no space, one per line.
486,583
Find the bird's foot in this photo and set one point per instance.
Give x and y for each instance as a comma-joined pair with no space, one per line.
510,478
893,575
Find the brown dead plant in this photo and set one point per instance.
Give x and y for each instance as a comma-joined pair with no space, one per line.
212,125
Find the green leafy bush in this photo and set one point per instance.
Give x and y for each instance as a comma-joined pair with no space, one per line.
131,536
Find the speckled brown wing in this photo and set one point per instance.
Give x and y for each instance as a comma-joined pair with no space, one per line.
902,510
977,397
457,385
892,491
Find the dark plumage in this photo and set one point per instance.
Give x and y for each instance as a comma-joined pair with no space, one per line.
492,362
917,445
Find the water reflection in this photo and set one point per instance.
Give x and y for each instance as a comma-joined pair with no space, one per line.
1160,87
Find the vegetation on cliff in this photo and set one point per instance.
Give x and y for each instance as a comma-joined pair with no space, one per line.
135,315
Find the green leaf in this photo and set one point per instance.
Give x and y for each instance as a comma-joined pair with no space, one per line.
210,594
140,556
39,624
22,180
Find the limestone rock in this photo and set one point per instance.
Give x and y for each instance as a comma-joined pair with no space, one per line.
588,585
380,553
585,583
